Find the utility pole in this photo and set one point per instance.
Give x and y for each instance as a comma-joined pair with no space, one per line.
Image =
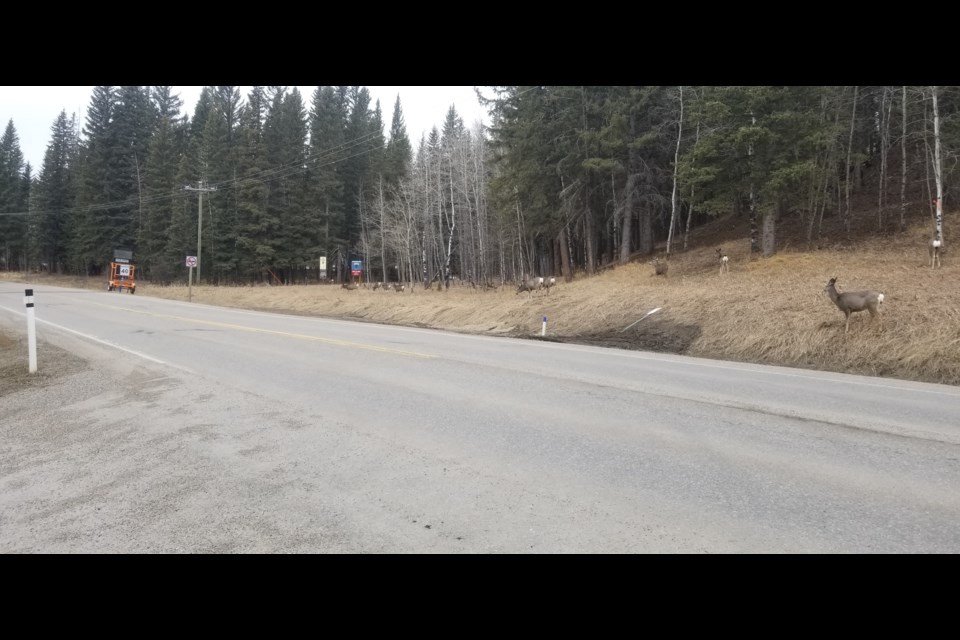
201,189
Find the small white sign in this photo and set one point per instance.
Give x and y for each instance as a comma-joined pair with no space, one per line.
323,263
191,261
124,270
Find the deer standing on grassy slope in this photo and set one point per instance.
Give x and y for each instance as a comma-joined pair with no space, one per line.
660,267
854,301
936,248
724,261
530,285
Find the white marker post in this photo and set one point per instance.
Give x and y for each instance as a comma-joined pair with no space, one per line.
31,331
543,329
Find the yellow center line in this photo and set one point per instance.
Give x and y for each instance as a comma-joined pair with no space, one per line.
298,336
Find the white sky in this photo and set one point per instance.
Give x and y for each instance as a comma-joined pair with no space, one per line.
34,110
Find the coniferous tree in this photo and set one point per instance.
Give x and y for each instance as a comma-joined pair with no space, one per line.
374,197
398,152
360,136
219,171
181,235
253,226
97,214
328,149
161,189
13,204
285,139
52,195
134,122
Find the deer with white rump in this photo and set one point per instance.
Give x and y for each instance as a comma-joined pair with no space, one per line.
936,248
724,261
548,283
853,301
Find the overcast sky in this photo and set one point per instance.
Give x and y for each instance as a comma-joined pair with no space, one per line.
34,110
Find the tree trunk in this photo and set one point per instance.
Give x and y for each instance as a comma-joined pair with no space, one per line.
903,163
769,231
557,260
383,246
676,162
522,273
452,221
627,227
565,266
853,120
754,245
884,137
937,175
646,230
589,240
686,233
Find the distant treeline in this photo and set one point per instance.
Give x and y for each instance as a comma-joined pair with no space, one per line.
564,180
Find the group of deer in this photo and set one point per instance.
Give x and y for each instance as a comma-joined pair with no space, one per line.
536,283
854,301
396,286
661,267
353,286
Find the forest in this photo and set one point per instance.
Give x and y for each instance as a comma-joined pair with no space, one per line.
563,181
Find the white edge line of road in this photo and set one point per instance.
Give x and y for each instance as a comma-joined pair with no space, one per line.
106,342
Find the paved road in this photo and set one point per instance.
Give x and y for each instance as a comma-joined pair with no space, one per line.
199,428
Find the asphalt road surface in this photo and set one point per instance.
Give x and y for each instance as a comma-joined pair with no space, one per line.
201,429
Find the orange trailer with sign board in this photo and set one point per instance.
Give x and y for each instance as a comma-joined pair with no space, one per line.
123,272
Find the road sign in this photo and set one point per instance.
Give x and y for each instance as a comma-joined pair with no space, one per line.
191,261
124,270
323,263
356,265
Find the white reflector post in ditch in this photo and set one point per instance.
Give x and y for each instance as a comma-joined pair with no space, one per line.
31,331
543,329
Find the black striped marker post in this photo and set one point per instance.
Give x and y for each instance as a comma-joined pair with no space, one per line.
31,331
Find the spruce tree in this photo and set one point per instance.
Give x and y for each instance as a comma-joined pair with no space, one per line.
398,152
254,256
13,204
53,195
328,150
161,189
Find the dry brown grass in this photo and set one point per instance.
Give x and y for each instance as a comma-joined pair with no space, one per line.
771,311
14,369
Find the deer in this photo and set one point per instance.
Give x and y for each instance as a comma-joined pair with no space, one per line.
351,286
936,248
853,301
549,282
659,267
530,285
724,261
